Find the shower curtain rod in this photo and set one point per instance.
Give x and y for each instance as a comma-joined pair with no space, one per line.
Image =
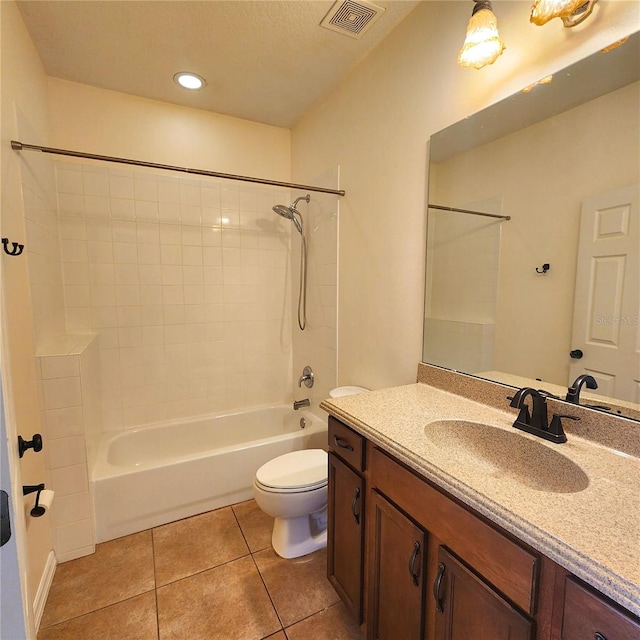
475,213
19,146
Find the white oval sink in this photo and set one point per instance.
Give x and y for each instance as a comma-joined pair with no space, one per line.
508,455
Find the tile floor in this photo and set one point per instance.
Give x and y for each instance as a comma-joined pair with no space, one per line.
210,577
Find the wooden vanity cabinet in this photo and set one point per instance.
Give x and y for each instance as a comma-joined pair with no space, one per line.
346,516
397,573
586,614
432,569
466,607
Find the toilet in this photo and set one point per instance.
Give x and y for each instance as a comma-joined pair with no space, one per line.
292,488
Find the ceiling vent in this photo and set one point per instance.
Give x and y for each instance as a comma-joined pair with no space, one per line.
352,18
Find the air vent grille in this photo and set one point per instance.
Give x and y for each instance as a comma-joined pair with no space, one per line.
352,18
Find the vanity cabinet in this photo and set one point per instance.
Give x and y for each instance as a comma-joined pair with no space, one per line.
586,614
346,516
397,573
467,607
427,567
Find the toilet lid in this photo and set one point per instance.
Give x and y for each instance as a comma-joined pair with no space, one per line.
304,469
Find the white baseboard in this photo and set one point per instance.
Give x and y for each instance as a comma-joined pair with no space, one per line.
43,588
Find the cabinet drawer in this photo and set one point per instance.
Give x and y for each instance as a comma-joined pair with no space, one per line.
510,568
346,443
587,616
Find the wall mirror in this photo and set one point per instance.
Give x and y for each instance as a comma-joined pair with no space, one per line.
554,291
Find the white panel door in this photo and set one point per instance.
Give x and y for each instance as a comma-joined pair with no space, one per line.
606,326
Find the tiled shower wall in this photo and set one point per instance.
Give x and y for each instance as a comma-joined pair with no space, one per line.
187,285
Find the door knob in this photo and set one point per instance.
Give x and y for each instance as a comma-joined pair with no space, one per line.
576,354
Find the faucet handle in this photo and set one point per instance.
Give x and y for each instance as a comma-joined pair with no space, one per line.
556,425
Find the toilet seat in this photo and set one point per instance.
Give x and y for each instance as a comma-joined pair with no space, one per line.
295,472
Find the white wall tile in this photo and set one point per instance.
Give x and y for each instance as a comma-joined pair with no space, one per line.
59,366
68,480
65,452
62,392
73,508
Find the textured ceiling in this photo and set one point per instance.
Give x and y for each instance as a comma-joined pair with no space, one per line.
266,61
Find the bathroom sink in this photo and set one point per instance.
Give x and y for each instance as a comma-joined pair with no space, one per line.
508,455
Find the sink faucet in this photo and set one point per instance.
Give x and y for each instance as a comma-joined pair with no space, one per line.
573,393
537,422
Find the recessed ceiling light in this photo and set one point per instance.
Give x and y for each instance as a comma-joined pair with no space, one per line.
189,80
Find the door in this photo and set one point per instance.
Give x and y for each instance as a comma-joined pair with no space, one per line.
345,534
12,618
468,609
606,325
397,570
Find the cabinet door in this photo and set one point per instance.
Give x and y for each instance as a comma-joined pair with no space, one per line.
468,609
397,571
588,616
345,534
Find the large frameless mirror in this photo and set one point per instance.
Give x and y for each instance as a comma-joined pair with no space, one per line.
553,292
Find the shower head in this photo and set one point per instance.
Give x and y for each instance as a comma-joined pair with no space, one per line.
290,212
284,211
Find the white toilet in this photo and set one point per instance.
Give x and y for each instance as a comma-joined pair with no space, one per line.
292,488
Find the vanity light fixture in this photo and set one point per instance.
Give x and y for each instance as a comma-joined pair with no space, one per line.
483,45
572,12
188,80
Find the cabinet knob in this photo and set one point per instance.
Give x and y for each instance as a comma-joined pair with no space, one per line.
599,636
436,588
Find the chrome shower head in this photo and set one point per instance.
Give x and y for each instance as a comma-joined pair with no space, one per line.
290,212
284,211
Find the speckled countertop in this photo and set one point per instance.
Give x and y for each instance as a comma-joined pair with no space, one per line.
594,532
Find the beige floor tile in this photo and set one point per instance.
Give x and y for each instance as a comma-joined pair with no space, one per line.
225,603
298,587
133,619
333,623
256,525
118,570
277,636
189,546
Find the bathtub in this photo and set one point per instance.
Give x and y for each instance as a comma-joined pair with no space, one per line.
156,474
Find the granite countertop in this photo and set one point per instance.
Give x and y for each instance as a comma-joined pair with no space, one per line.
594,532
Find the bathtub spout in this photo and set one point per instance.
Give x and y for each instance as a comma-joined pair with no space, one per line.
298,404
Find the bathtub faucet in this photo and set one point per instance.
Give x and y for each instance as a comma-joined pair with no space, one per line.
298,404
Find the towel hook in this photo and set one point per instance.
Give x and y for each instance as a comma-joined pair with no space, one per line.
545,267
17,248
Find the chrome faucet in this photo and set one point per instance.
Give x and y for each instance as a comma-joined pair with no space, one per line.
537,422
306,377
298,404
573,393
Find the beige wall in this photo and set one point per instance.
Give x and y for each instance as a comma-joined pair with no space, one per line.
85,118
376,125
24,101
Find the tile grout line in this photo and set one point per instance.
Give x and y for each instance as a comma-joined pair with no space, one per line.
155,583
258,570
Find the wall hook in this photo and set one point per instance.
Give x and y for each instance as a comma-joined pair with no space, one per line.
17,248
545,267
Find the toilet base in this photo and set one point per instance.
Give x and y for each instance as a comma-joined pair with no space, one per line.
295,537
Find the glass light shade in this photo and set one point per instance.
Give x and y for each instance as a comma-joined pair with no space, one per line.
482,45
544,10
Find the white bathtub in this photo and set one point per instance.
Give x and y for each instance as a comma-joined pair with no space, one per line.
153,475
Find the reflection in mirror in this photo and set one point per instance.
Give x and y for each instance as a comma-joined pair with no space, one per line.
563,161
